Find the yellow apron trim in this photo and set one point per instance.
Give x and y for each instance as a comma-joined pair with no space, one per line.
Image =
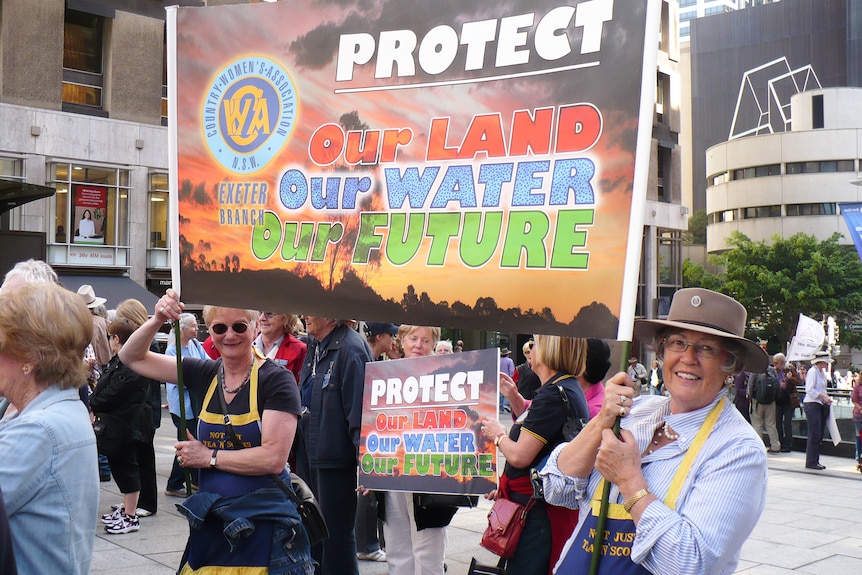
688,461
615,510
681,473
244,419
220,570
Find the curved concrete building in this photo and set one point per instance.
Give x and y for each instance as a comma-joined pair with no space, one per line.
789,182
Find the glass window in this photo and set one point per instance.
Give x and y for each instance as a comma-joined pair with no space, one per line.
12,168
761,212
768,170
824,209
718,179
845,166
90,207
158,211
82,59
669,253
165,81
795,167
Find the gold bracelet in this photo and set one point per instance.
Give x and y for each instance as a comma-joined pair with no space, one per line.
498,439
632,501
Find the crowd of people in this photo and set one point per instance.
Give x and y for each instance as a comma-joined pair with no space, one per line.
770,401
269,393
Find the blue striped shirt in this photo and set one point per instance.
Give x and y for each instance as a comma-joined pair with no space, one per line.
720,502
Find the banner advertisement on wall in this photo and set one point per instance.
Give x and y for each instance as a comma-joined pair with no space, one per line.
420,424
90,214
465,164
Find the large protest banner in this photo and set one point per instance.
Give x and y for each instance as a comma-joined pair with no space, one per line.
458,163
420,424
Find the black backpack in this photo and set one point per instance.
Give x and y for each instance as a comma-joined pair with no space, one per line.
765,387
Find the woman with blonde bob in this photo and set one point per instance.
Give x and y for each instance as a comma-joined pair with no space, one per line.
48,469
415,534
675,471
538,429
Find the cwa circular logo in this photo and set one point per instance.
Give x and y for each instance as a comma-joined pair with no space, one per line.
249,113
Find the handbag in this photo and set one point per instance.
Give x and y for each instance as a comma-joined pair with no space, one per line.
301,495
573,425
571,428
306,504
477,569
505,524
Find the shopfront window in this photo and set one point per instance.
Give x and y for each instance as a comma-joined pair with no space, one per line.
158,211
91,206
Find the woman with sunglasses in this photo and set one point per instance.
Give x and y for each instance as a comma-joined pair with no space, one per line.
674,473
262,406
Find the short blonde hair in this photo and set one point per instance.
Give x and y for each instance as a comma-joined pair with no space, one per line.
132,311
566,354
210,311
49,327
404,330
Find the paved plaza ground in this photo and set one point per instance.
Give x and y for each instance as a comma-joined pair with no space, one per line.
812,524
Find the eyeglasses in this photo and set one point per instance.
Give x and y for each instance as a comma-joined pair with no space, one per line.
705,351
267,314
221,328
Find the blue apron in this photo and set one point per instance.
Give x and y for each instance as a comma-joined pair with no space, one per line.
620,528
208,546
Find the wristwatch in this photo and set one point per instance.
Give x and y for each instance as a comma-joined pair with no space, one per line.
213,458
498,439
632,501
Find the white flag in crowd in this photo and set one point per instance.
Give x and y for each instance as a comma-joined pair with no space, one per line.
808,339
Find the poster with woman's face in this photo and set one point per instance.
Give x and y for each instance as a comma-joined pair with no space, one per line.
89,217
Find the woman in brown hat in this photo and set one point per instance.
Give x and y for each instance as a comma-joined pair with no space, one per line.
676,470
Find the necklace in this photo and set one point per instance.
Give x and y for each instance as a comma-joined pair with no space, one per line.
664,431
241,385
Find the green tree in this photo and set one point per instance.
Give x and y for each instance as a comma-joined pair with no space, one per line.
779,280
696,234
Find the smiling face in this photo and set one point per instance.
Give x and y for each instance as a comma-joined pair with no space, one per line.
230,344
693,379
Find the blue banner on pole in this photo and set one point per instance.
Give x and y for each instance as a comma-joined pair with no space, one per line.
853,216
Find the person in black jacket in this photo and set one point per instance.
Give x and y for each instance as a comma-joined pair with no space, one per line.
331,385
120,400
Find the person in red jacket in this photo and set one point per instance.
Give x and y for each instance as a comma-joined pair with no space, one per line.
277,341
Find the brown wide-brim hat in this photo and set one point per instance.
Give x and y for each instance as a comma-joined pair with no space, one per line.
711,313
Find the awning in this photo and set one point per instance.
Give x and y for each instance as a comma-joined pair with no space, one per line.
113,288
14,193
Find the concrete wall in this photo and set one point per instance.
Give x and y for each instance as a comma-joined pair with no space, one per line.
32,52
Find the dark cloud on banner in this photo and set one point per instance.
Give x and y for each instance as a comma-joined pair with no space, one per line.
313,51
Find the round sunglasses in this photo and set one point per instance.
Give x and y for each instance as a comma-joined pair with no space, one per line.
221,328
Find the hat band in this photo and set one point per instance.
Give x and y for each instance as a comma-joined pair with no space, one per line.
709,325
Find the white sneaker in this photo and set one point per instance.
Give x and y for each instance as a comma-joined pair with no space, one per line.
126,524
114,516
378,555
139,512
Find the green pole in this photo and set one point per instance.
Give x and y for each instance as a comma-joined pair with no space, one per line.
606,492
182,390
